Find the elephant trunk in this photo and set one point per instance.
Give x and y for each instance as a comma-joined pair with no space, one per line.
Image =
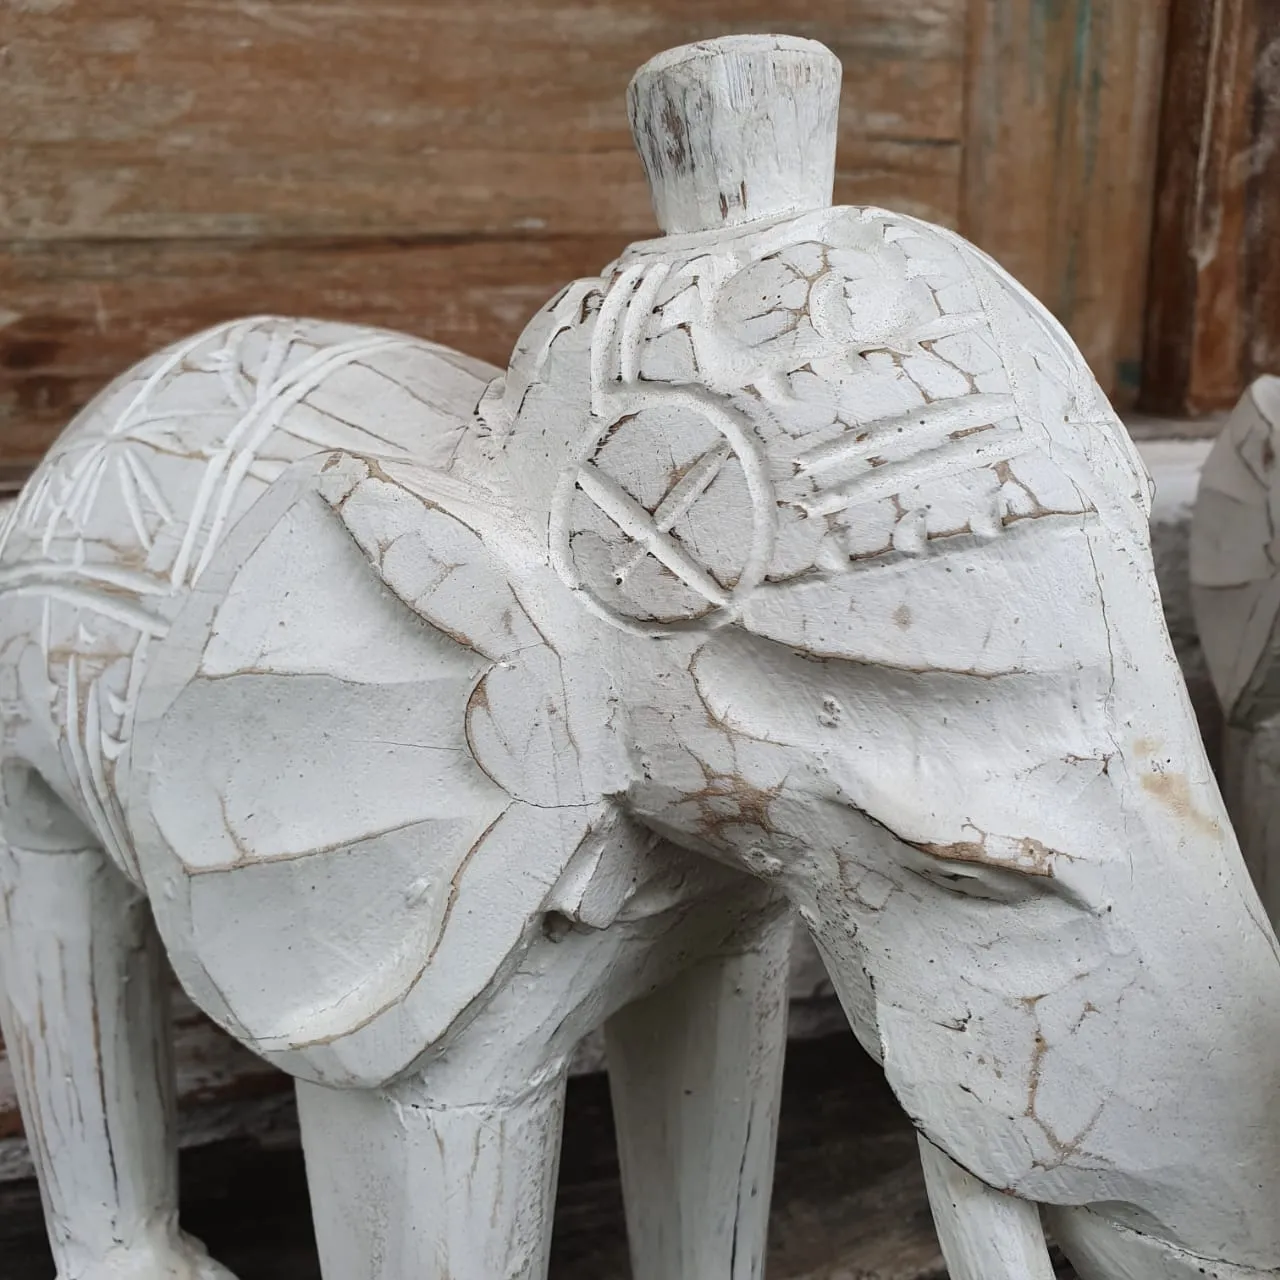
1100,1248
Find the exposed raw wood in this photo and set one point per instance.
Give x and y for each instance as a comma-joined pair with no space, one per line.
313,152
322,117
1214,305
1062,114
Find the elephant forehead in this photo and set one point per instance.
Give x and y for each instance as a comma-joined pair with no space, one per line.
1029,604
843,386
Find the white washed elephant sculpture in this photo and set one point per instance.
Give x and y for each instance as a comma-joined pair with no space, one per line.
443,716
1235,591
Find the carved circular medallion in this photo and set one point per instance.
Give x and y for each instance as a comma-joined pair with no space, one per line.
668,517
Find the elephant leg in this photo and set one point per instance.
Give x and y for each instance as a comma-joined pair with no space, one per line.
696,1074
84,1013
406,1187
985,1234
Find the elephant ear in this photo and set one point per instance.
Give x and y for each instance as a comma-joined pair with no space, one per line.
353,777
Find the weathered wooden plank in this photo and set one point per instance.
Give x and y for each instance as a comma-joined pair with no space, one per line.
77,314
1214,309
440,169
276,118
1063,99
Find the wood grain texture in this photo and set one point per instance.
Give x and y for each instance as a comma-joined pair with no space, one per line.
696,1073
982,1232
1063,103
78,950
225,1091
1214,310
321,117
441,169
211,1069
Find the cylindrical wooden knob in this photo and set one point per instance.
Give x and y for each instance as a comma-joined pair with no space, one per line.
737,129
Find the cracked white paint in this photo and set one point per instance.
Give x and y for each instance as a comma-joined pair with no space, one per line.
796,559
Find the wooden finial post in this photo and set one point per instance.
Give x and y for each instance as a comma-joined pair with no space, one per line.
737,129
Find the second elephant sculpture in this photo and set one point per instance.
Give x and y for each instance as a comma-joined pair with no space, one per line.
438,716
1235,584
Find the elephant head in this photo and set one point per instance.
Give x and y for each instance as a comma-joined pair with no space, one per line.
802,537
860,561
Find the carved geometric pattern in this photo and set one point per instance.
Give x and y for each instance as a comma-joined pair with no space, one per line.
129,506
825,391
656,536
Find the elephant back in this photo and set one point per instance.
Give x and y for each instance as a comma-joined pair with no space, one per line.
119,523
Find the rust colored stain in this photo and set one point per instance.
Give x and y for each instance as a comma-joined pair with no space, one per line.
728,800
1172,790
1038,857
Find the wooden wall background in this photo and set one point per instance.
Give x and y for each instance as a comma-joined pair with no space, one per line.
444,167
1213,308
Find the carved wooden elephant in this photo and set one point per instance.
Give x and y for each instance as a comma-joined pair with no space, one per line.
438,717
1235,591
